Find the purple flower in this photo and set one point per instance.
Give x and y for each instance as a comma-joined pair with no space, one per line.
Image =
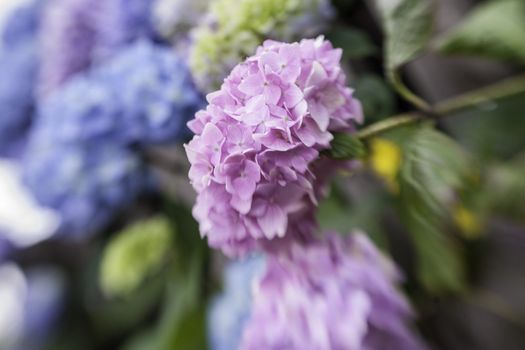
68,37
339,293
79,33
253,155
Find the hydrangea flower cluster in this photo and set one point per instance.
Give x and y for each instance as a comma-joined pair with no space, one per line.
84,183
255,145
79,33
229,312
339,293
121,23
67,38
154,91
233,29
18,70
82,145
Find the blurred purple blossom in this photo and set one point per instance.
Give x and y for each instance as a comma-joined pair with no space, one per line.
79,33
339,293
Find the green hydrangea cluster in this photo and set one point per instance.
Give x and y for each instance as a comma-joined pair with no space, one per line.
234,29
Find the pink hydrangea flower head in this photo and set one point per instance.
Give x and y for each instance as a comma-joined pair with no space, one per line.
336,293
255,145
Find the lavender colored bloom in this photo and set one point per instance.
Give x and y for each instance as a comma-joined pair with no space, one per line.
18,70
339,293
68,37
78,33
256,143
230,310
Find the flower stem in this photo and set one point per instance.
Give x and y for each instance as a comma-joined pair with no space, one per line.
505,88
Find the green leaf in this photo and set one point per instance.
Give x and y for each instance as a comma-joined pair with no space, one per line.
503,189
357,212
345,146
133,255
495,29
355,43
376,96
408,26
433,171
183,321
492,131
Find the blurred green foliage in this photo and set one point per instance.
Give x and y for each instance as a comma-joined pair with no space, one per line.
133,254
495,29
433,173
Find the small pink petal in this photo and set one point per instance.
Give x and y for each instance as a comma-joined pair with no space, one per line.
274,222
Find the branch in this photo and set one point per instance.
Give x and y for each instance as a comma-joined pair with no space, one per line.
506,88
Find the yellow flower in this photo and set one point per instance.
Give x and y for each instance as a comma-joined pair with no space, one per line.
385,160
467,221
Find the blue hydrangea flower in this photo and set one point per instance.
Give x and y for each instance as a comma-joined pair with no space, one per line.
17,75
85,183
121,23
230,311
155,91
18,70
81,159
22,23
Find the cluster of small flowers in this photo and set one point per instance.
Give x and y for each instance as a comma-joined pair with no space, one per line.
79,33
338,293
335,293
251,159
232,30
141,96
